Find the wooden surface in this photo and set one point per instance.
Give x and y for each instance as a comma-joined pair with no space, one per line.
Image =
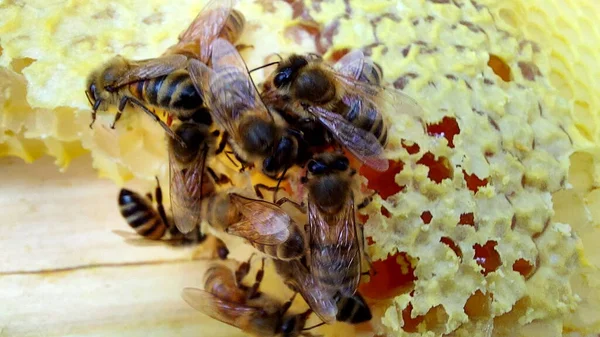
63,272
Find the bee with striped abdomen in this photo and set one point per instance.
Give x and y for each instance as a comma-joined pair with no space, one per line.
154,224
226,299
265,225
329,307
348,99
335,239
191,179
164,82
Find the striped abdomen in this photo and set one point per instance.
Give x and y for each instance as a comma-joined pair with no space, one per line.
141,216
368,118
175,93
234,26
218,211
352,309
333,271
292,248
220,281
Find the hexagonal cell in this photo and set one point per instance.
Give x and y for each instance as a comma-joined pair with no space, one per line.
390,277
447,128
439,169
500,67
487,257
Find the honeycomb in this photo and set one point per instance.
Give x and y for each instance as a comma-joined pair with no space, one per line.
485,223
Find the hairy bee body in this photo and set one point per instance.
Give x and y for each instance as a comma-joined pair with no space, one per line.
141,216
175,93
229,212
306,80
234,26
226,299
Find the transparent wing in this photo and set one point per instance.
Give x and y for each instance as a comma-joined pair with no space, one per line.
336,238
387,100
233,92
297,276
206,84
186,191
363,145
234,314
206,27
151,68
262,222
351,64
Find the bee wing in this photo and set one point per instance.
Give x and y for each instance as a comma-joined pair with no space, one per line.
351,64
232,89
206,27
234,314
263,222
337,239
151,68
387,100
186,191
298,276
363,145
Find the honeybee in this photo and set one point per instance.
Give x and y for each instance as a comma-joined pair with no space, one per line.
347,99
154,224
336,241
191,180
225,298
263,224
164,82
237,108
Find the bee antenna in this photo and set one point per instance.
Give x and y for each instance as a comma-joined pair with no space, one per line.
264,66
278,183
259,96
87,94
314,326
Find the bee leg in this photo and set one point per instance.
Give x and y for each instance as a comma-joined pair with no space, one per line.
120,109
157,119
254,293
286,306
241,272
219,179
300,206
159,202
227,154
222,143
366,201
258,187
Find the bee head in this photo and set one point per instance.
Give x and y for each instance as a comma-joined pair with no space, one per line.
326,163
98,88
283,156
194,136
258,135
287,71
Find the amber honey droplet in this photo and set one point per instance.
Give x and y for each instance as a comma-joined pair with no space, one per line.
450,243
410,324
467,219
439,169
447,127
473,182
426,217
383,182
410,148
487,257
523,267
499,67
478,305
389,278
337,54
385,212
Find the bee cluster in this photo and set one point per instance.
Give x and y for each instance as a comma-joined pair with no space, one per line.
304,114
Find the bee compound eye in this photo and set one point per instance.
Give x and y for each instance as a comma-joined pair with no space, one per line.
341,164
282,77
316,167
